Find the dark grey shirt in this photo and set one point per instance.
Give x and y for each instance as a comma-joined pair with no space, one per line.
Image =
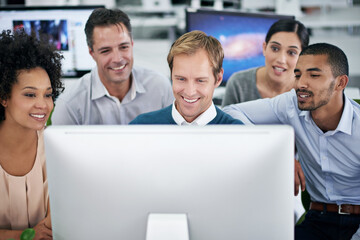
241,87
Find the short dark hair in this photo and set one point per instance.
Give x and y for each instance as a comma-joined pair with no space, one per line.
289,25
105,17
19,51
335,57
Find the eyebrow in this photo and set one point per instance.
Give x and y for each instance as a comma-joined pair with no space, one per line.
108,47
103,48
309,70
280,44
34,88
314,69
28,87
195,77
178,76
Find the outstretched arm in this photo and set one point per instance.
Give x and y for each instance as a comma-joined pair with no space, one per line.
261,111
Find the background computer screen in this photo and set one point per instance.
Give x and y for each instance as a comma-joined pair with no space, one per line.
240,33
65,27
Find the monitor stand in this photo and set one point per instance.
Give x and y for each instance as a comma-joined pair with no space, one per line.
167,226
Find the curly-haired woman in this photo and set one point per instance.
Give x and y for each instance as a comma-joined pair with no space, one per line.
30,71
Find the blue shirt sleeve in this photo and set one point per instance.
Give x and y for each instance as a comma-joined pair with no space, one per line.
265,111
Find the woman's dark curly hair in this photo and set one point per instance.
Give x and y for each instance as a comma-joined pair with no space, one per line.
20,51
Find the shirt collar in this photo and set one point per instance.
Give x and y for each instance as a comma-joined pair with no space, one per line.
201,120
345,123
132,90
306,115
137,85
99,90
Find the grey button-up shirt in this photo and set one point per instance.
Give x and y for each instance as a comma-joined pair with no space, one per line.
88,102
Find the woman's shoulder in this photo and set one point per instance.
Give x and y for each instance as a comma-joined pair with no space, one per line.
243,77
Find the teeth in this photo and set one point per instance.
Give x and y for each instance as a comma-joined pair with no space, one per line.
38,116
119,68
304,96
279,69
190,101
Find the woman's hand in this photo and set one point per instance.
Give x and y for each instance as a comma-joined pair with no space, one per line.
42,232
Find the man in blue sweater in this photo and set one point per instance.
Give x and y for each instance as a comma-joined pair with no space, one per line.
195,62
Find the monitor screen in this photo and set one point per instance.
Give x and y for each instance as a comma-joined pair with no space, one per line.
105,181
240,33
64,26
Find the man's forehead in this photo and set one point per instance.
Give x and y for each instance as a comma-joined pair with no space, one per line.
118,28
104,34
312,61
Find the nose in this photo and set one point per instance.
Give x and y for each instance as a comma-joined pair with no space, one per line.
281,58
301,82
117,56
190,89
42,102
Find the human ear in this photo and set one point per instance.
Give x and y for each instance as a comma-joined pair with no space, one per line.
4,103
91,52
219,77
264,48
342,82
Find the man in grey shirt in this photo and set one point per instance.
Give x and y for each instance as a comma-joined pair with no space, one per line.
114,92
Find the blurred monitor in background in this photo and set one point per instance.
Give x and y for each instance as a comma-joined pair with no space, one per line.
64,27
240,33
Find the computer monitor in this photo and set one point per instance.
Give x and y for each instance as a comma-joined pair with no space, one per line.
271,4
65,27
232,182
240,33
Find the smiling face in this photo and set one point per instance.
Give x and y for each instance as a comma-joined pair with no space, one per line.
193,83
113,53
314,82
30,102
281,54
